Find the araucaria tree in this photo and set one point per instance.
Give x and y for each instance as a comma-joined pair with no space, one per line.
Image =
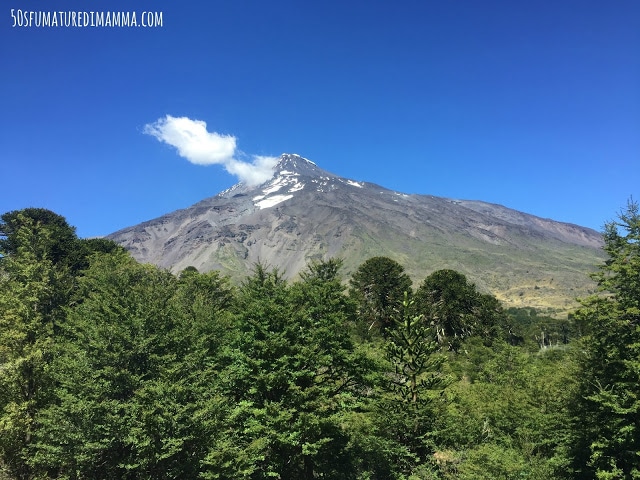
378,288
607,409
416,380
457,310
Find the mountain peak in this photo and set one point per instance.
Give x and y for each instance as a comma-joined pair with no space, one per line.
294,159
292,163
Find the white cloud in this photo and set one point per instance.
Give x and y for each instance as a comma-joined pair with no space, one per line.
201,147
254,173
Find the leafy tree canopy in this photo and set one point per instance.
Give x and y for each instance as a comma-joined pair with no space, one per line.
62,236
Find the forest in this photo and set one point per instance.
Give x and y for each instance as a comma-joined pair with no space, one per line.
111,369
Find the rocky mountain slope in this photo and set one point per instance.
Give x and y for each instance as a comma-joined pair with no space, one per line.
304,213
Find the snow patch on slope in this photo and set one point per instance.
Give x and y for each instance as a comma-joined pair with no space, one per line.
271,201
275,186
287,181
230,189
353,183
323,182
296,186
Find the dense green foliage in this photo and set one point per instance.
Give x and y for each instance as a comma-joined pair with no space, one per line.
378,288
457,310
110,369
606,437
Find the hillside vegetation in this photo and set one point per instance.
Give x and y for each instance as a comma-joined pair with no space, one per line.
113,369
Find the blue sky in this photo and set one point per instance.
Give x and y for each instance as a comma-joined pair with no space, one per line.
532,105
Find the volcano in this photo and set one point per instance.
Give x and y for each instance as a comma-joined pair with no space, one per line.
304,213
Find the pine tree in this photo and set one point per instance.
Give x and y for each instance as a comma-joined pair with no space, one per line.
606,430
